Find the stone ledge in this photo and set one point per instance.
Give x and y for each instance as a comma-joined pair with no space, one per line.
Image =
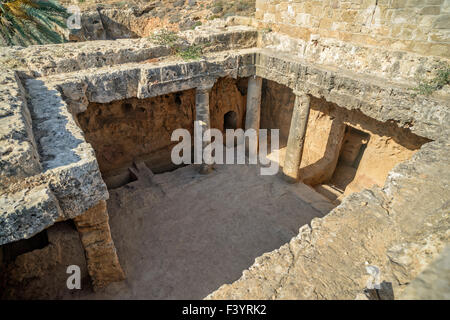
378,99
67,160
25,213
146,80
71,57
17,144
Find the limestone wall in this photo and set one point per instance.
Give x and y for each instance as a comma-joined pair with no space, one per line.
126,130
420,26
388,145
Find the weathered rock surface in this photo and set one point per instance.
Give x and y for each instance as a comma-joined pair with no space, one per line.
70,57
75,177
26,212
113,19
19,158
433,283
70,182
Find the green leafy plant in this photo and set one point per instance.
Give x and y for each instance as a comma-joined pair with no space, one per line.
177,45
27,22
427,87
266,30
166,37
193,52
196,24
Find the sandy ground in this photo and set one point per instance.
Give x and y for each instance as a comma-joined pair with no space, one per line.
181,235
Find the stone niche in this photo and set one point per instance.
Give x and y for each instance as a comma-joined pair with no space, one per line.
129,130
345,151
36,268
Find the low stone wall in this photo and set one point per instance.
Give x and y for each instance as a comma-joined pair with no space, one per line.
54,59
413,26
387,145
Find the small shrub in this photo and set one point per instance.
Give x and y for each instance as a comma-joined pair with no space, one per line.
197,24
193,52
171,39
165,37
214,16
427,87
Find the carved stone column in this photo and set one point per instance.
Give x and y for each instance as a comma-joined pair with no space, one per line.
294,150
253,110
101,256
203,118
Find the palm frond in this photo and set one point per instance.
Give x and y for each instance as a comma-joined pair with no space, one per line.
27,22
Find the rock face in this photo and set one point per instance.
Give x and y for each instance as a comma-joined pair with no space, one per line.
432,283
132,19
326,137
125,130
18,147
36,209
122,131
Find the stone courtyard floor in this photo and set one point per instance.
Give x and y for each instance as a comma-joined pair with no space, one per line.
181,235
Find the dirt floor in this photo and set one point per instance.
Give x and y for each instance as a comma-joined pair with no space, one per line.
181,235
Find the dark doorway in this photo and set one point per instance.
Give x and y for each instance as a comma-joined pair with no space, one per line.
230,120
353,147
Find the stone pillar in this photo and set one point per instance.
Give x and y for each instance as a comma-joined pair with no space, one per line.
253,110
202,115
296,138
101,256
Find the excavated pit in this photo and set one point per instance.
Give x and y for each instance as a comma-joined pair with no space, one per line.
182,235
372,190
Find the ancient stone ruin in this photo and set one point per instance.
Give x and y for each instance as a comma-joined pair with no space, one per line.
87,178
